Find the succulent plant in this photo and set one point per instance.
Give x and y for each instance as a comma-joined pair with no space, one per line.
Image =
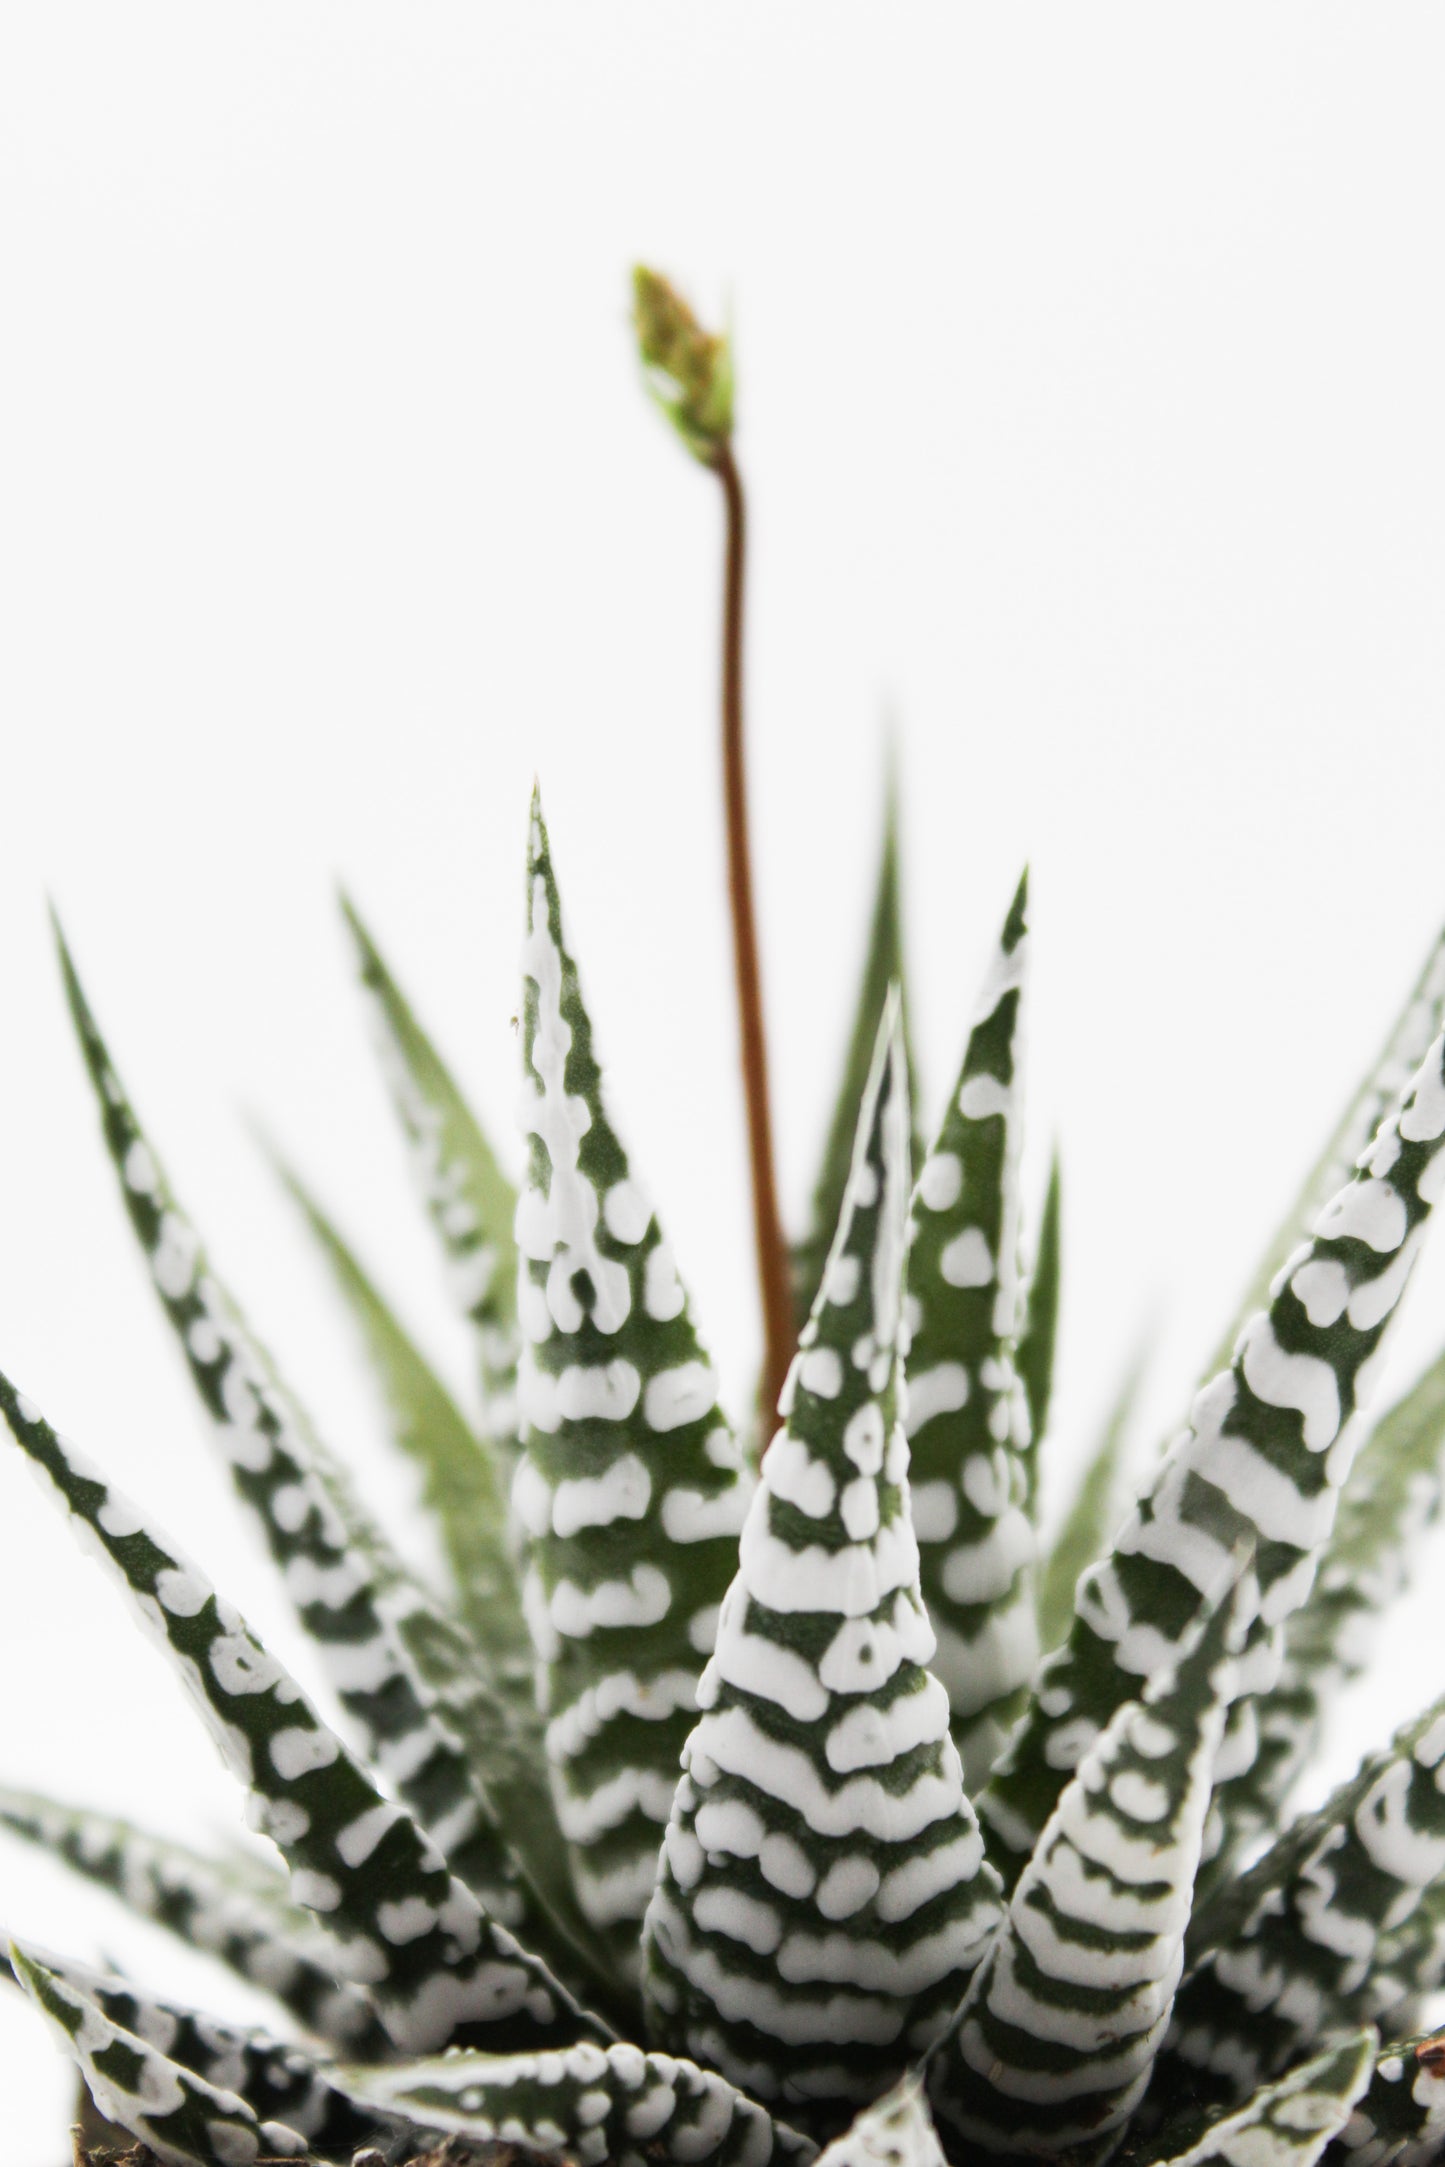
727,1805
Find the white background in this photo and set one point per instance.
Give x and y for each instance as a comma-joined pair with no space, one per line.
1091,367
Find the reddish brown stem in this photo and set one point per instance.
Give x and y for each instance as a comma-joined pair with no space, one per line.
772,1250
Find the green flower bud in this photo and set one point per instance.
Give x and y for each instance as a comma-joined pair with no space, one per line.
689,371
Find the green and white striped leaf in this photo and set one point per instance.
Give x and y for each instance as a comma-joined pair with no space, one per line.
822,1896
274,2079
437,1966
179,2115
1034,1360
469,1199
1409,1965
1408,1041
211,1905
370,1620
464,1487
967,1418
882,968
487,1685
1056,2040
1286,2124
1288,1950
591,2104
1095,1510
1400,2117
895,2131
631,1488
1393,1495
1268,1447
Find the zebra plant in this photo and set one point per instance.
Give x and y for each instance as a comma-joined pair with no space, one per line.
728,1805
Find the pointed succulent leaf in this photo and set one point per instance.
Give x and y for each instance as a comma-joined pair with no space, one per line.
882,968
591,2104
631,1488
968,1423
487,1684
895,2131
1268,1446
274,2078
438,1967
1094,1511
1057,2037
212,1905
178,2114
1399,2120
1287,1951
1035,1357
1286,2124
1408,1041
1409,1965
822,1895
1393,1495
462,1485
365,1612
470,1200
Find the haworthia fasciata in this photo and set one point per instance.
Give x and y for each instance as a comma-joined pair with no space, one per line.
487,1686
882,968
895,2131
1392,1496
822,1896
251,1927
1038,1334
274,2079
1399,2120
1094,1511
1286,2124
178,2114
368,1616
591,2104
463,1486
401,1924
1056,2040
1406,1045
968,1420
1287,1951
470,1200
630,1491
1269,1444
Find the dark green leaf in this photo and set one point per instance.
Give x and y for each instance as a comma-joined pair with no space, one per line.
973,1478
882,968
470,1201
1035,1358
1084,1535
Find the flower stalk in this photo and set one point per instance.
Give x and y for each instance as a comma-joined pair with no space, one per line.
690,376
